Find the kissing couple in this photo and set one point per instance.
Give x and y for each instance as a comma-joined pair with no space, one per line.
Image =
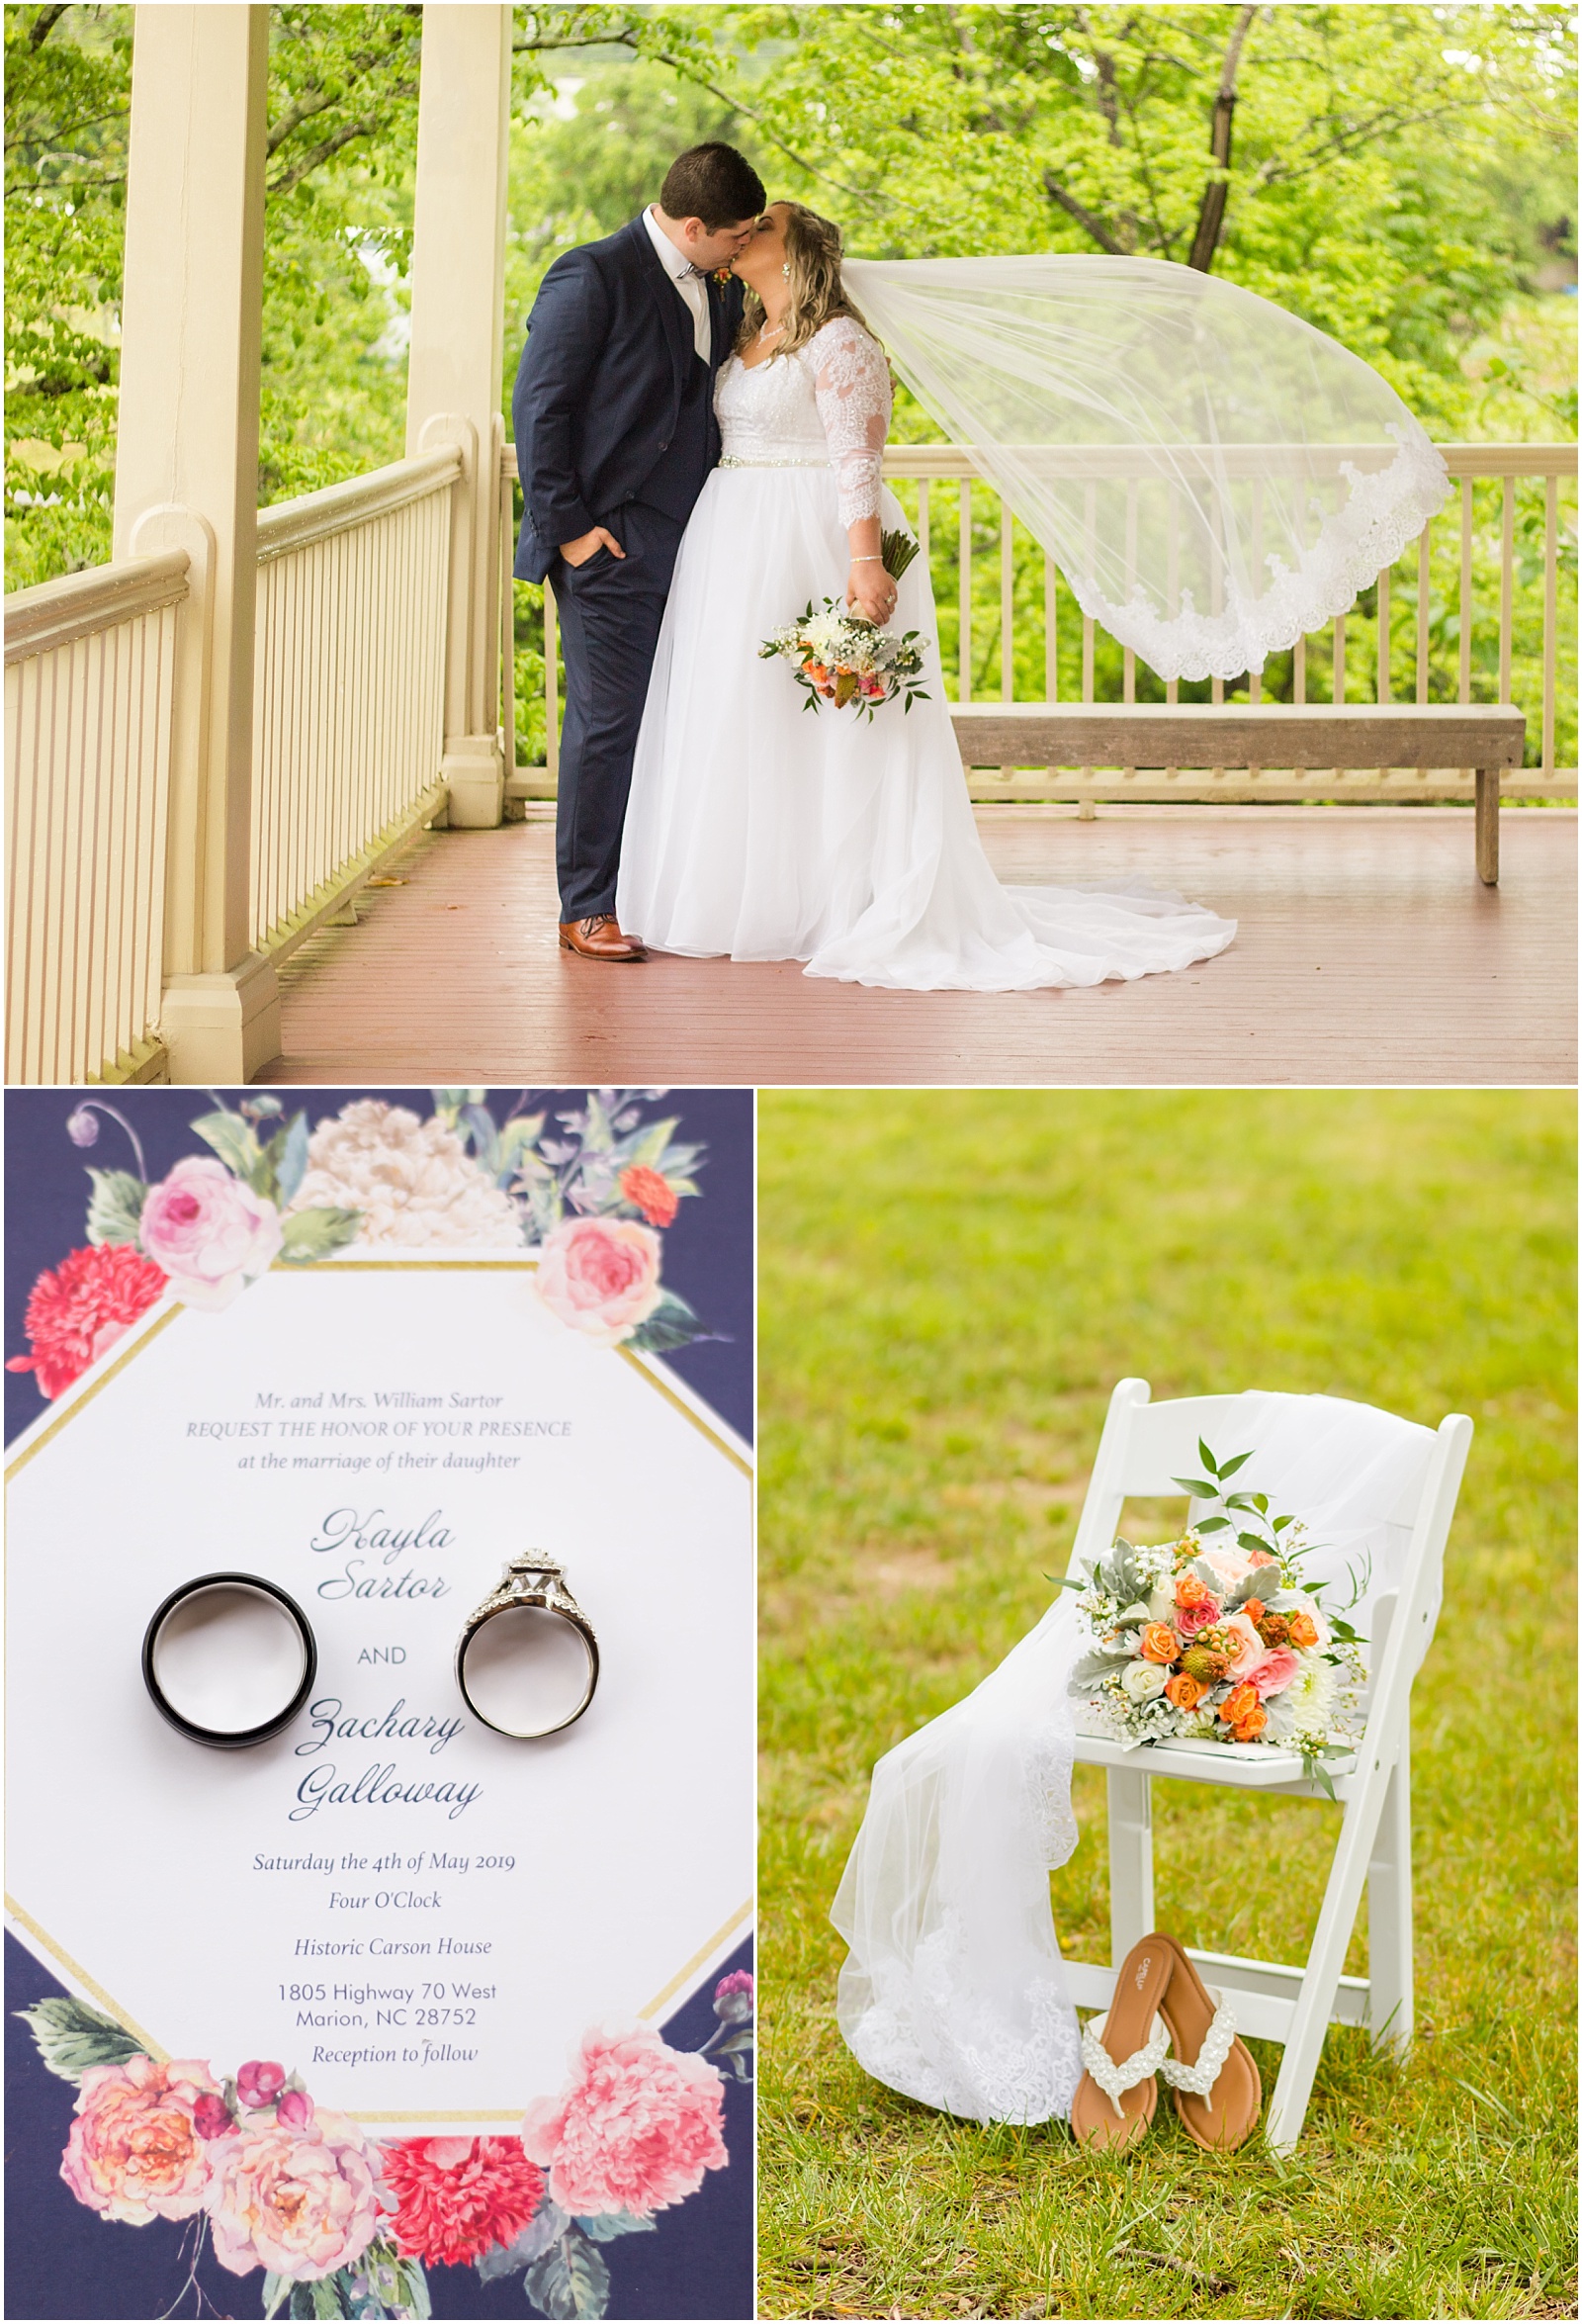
700,418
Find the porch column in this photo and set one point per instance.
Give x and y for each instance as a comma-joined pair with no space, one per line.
454,379
187,477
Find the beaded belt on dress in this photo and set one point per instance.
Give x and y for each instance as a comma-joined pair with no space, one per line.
730,460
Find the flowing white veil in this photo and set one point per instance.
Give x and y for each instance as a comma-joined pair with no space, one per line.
1213,477
953,1992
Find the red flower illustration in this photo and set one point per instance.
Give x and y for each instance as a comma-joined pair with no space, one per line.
458,2198
81,1307
654,1196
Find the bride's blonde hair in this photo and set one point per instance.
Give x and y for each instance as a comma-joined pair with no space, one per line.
813,253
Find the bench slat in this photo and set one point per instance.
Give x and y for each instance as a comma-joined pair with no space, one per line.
1166,734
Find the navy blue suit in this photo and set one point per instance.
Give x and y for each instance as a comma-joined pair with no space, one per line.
613,415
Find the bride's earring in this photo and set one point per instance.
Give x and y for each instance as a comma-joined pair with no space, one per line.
786,270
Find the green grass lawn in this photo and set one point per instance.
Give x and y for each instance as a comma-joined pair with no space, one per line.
951,1283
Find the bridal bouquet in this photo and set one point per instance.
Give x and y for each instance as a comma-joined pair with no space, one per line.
1218,1639
838,656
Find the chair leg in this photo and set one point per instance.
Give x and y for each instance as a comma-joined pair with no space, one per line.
1287,2109
1488,826
1131,1862
1389,1914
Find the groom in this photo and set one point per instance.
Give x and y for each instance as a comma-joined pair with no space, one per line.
615,434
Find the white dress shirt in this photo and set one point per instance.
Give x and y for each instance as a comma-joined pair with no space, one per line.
693,289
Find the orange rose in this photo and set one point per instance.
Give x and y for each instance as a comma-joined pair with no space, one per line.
1239,1704
1262,1558
1303,1630
1159,1643
1185,1692
1189,1592
1249,1730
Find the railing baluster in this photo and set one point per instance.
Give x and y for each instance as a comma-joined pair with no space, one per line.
1254,677
1128,660
1051,635
1551,562
965,568
1382,689
1090,512
1008,655
1424,569
1507,565
1465,680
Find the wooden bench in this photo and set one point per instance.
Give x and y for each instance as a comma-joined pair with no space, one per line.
1487,737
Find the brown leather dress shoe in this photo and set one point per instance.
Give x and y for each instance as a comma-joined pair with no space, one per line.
599,938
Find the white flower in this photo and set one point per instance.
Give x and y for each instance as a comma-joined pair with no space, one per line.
414,1180
1143,1680
1311,1692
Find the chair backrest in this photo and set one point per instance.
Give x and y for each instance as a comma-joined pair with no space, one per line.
1379,1491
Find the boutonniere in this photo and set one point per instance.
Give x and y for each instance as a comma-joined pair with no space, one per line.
722,275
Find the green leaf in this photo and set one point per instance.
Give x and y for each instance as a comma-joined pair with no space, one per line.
310,1234
114,1206
328,2300
71,2037
277,2291
673,1324
232,1141
1252,1541
1212,1525
1209,1461
292,1167
1199,1486
1279,1523
609,2224
648,1147
570,2278
1229,1468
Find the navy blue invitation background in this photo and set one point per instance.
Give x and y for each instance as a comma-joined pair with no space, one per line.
61,2259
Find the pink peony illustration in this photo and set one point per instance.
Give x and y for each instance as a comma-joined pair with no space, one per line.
135,2151
79,1310
260,2082
459,2198
601,1276
210,1233
634,2129
732,1997
1275,1672
300,2200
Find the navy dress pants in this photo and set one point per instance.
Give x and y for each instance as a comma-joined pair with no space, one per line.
610,609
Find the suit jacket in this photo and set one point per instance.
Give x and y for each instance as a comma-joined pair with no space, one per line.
599,387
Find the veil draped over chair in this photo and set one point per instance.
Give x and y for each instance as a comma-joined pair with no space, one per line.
954,1991
1213,477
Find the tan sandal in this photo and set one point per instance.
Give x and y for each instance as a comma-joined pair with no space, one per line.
1123,2051
1214,2075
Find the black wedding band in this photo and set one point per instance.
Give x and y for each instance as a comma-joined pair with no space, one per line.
189,1598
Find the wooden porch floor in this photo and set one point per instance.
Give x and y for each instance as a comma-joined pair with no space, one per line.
1369,952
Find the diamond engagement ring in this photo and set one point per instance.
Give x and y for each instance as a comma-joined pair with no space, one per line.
527,1662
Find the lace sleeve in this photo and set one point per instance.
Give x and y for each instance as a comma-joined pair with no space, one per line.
852,382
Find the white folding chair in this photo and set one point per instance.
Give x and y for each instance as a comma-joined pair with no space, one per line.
1144,1448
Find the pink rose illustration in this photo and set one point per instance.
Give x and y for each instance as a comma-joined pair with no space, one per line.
601,1276
135,2151
260,2082
1275,1672
210,1233
300,2200
634,2129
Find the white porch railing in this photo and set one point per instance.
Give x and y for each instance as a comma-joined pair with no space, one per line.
1027,615
349,685
90,664
348,737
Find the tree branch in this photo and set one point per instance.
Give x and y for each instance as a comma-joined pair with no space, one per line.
43,24
1095,227
366,128
1217,193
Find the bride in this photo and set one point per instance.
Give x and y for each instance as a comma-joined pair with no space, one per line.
760,831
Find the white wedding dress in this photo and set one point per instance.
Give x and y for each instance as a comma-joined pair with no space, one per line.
763,831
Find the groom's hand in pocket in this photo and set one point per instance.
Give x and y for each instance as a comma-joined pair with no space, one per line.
579,552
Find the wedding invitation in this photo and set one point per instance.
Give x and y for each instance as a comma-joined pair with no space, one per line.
421,1921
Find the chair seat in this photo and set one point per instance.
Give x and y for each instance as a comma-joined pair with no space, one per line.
1244,1767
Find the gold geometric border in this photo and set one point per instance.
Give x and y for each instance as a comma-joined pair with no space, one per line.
145,1339
380,1267
152,2049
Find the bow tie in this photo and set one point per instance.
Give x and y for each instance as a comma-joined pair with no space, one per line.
701,273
